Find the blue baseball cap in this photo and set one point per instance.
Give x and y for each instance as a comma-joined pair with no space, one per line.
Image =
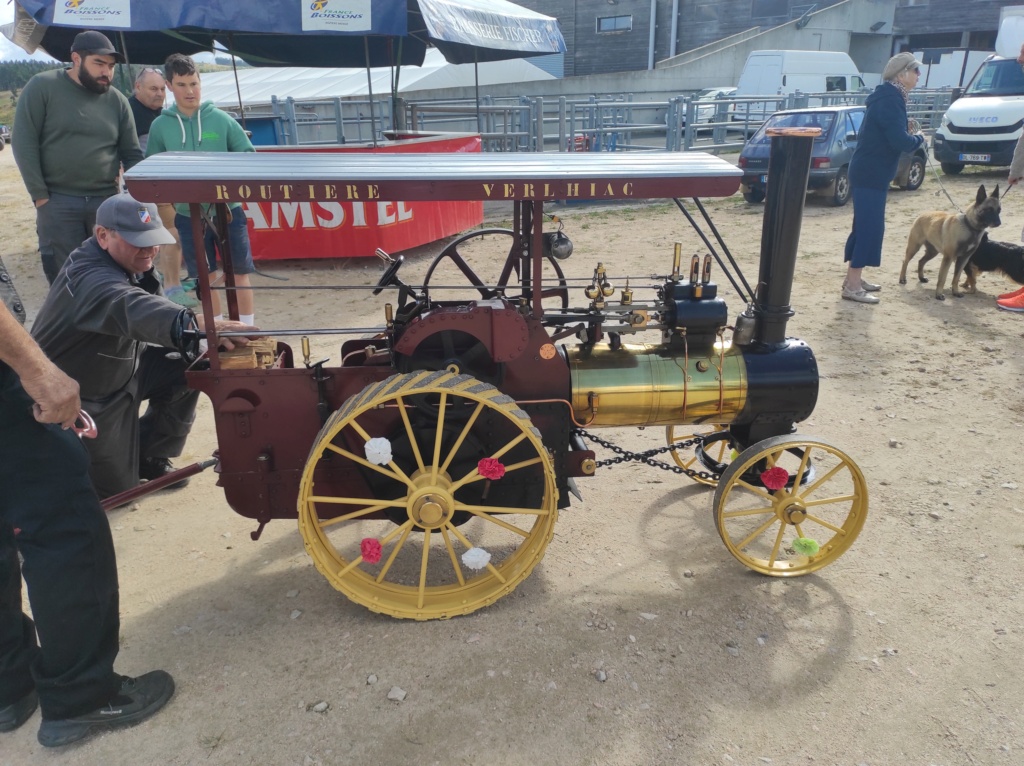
138,223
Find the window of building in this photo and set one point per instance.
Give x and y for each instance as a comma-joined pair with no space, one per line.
614,23
766,8
706,11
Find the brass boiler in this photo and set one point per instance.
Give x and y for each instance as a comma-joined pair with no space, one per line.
651,385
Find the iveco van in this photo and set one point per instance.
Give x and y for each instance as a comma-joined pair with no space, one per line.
983,125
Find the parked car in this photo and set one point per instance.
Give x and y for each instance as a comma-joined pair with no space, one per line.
706,111
5,136
830,157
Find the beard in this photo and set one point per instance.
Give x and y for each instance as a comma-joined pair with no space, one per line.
91,83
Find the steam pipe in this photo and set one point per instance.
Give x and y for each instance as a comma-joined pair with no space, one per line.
788,168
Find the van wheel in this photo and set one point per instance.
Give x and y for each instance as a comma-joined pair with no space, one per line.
756,194
952,168
841,194
915,175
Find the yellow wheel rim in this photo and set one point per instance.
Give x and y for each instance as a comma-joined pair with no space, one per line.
718,450
428,505
800,527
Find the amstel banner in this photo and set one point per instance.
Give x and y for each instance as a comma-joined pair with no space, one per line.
288,230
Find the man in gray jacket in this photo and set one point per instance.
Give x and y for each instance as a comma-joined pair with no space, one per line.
72,134
106,324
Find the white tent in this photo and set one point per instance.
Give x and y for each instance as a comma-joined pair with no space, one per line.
259,84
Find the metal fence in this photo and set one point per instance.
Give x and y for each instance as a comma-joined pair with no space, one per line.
594,123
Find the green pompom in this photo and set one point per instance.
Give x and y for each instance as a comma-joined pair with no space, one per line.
806,546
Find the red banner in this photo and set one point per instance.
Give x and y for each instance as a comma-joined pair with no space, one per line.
283,230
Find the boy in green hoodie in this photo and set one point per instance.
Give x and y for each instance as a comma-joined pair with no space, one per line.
193,126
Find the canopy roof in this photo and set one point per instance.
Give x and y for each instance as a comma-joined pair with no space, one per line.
258,85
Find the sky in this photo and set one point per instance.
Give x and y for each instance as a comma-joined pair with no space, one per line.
8,50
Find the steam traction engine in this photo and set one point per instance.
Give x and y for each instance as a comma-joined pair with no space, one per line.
428,466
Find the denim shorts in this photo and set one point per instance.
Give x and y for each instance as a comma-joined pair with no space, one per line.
238,238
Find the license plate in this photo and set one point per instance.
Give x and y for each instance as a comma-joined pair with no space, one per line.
975,157
764,179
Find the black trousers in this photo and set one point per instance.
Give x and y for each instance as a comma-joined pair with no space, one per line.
50,513
124,437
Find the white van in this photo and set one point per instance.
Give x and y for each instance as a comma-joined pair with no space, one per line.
768,73
983,125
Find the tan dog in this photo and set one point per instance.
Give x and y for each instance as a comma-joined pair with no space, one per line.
956,237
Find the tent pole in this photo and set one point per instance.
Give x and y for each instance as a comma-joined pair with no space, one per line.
369,88
234,68
238,87
129,87
476,89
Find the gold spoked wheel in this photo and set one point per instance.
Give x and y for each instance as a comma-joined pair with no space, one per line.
419,533
713,455
803,525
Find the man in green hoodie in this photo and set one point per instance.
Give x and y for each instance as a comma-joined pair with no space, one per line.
193,126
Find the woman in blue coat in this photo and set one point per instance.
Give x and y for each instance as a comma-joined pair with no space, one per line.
883,137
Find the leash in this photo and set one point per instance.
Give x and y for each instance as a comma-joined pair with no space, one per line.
938,179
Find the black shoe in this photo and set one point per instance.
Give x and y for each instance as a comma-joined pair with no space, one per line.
156,467
15,714
137,700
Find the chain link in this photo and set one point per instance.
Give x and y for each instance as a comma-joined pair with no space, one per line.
647,456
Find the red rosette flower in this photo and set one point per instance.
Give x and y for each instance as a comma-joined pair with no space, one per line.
775,478
490,468
370,549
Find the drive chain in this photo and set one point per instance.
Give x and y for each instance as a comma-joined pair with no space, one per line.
647,456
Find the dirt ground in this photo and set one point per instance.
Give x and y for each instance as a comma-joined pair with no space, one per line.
906,651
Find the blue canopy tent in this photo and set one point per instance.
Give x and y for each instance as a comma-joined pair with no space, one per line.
327,33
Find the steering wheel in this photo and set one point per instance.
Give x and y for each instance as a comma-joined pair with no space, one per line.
389,277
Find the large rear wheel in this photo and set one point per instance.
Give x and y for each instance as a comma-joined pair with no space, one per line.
456,504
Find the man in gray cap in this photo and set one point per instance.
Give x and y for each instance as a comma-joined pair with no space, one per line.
107,325
72,134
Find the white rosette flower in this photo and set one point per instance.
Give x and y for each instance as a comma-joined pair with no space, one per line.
476,558
378,451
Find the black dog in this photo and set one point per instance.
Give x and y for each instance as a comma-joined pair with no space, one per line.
1004,257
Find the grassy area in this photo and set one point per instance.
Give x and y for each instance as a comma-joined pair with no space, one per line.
6,108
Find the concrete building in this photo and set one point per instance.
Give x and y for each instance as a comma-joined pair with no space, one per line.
606,36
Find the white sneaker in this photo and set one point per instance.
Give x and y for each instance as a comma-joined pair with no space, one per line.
860,296
869,287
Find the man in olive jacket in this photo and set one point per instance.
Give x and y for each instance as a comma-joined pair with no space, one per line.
72,134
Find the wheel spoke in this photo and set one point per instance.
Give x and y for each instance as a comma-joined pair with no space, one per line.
804,459
439,432
778,542
829,500
474,475
756,533
483,514
405,529
425,558
490,567
462,436
810,490
749,512
391,464
355,514
409,433
833,527
372,466
452,555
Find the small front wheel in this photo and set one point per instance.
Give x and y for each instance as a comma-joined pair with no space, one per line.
952,168
787,505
